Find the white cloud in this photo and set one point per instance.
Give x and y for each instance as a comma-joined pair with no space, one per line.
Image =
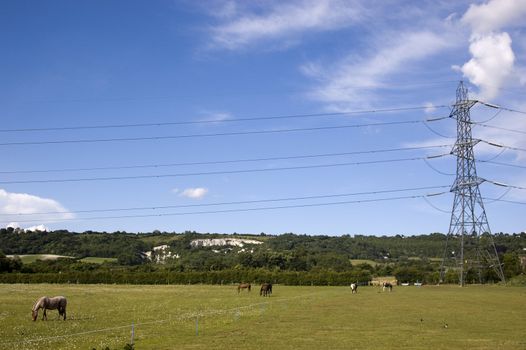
355,78
495,15
194,193
282,20
492,62
22,203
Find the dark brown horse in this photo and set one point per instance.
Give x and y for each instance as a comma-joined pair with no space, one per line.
246,286
47,303
266,290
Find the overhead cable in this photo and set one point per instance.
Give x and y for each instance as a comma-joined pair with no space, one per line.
224,211
502,164
235,133
512,110
283,199
426,160
503,146
504,200
230,161
505,185
222,172
499,128
212,121
434,206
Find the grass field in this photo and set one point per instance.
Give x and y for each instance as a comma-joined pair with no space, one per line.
96,260
165,317
30,258
363,261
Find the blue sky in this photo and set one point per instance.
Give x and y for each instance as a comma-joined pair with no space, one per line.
99,63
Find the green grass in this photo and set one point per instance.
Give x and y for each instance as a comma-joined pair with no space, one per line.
478,317
96,260
356,262
30,258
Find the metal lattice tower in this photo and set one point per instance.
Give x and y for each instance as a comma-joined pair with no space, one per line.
470,249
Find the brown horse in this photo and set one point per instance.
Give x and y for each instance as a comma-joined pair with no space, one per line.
246,286
266,290
47,303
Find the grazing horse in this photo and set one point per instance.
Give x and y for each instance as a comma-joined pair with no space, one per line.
354,288
47,303
246,286
266,290
387,285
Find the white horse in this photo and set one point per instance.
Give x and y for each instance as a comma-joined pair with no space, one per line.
354,288
47,303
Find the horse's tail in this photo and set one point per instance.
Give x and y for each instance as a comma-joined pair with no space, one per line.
249,287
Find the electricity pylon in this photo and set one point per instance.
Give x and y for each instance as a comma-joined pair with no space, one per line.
470,249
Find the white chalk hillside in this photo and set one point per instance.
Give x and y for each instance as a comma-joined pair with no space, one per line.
233,242
160,253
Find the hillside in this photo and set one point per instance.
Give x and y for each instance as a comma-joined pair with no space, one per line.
205,251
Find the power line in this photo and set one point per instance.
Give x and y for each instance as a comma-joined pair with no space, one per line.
158,207
495,156
435,169
503,164
426,124
489,119
144,166
211,121
505,185
224,211
136,177
434,206
499,128
511,110
506,191
237,133
505,201
502,146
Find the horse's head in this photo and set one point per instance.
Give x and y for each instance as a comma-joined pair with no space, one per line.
34,314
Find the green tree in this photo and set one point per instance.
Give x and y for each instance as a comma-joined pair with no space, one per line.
511,265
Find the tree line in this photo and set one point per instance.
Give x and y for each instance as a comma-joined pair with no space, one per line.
317,260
